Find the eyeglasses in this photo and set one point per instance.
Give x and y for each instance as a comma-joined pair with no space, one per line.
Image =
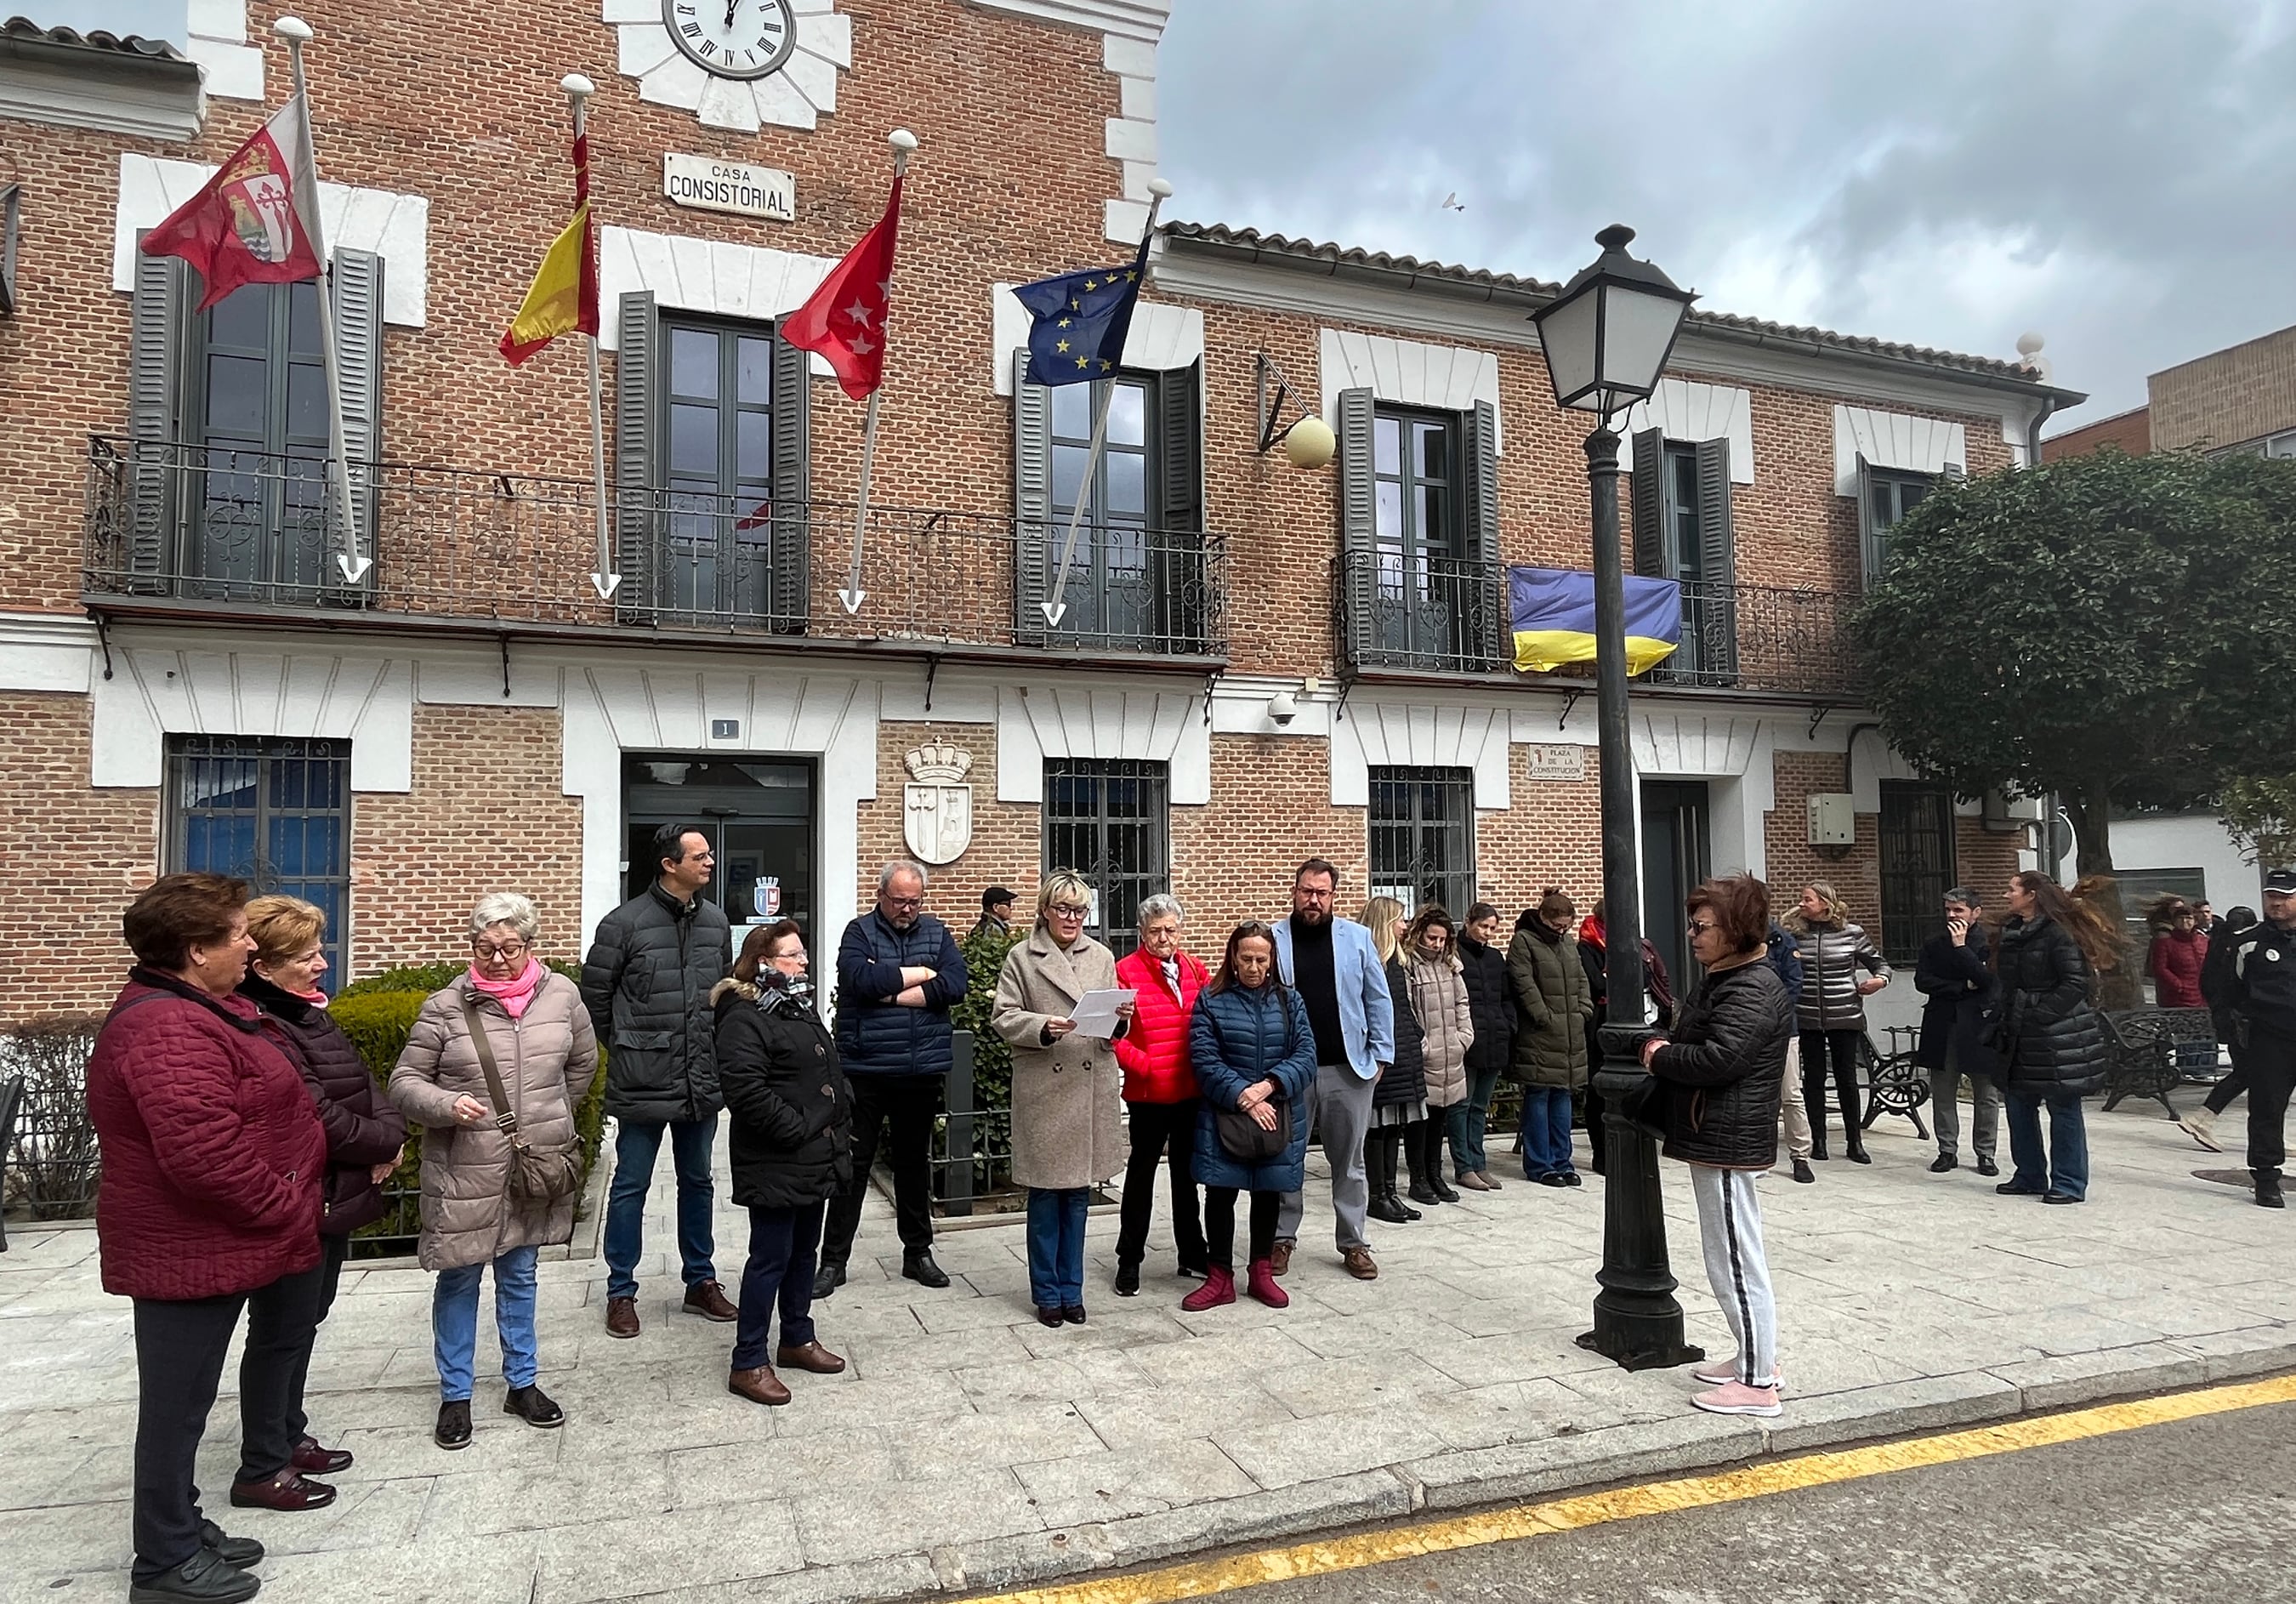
907,903
1700,927
1068,911
510,952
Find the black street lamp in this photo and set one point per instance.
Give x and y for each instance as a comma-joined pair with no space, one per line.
1606,338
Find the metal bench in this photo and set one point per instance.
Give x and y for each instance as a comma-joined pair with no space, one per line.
1894,1083
2140,1051
12,1098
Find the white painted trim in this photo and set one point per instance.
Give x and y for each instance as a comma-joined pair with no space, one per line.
230,67
1688,410
46,651
1162,337
41,91
1038,721
1142,19
1893,439
796,96
612,708
158,690
1379,731
395,226
1407,372
691,274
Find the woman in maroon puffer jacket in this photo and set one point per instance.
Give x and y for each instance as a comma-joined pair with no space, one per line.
212,1155
365,1134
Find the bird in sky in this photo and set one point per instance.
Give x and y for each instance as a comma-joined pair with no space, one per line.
1451,202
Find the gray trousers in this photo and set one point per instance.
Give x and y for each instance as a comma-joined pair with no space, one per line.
1730,1231
1339,1114
1945,1110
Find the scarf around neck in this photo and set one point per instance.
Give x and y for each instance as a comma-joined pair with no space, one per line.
515,994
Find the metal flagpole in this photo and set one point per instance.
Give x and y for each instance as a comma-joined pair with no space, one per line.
1056,609
603,578
903,142
354,567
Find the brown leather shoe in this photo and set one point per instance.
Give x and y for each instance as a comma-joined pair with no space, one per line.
1359,1264
1279,1258
811,1357
708,1300
320,1461
759,1385
289,1489
1472,1182
621,1317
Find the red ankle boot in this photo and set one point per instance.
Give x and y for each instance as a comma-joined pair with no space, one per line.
1264,1287
1218,1288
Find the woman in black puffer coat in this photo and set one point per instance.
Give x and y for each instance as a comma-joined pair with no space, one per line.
2052,1041
1399,1102
1483,967
789,1149
1721,1078
365,1133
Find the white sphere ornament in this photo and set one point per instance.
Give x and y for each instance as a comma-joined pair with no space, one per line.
1309,444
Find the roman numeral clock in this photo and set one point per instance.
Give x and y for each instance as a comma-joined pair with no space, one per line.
736,64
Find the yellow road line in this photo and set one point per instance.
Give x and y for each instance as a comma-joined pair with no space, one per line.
1202,1577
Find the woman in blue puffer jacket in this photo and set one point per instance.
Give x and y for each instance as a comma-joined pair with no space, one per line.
1254,1054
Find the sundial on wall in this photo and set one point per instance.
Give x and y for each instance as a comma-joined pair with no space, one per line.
737,64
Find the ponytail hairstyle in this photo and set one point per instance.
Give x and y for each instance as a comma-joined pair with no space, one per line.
1379,916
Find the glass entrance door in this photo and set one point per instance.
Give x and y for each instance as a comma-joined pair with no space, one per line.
759,815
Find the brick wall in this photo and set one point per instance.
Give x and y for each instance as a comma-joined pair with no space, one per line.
1007,841
2130,431
486,813
1855,871
74,857
1552,835
2240,393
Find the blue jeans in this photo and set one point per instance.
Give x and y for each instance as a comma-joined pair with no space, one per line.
2063,1166
636,1147
1546,1131
1056,1246
1482,1085
783,1243
454,1322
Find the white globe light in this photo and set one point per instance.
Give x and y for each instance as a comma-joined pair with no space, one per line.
1309,444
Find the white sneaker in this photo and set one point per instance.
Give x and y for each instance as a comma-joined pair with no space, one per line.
2201,1126
1724,1374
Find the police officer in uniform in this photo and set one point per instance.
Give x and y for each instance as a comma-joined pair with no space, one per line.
2261,997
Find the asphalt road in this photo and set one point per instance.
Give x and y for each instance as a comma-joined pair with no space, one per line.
2198,1511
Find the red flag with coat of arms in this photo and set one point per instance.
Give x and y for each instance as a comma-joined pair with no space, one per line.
843,321
257,221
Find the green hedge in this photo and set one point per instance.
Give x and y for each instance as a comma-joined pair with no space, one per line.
992,1059
426,978
377,1021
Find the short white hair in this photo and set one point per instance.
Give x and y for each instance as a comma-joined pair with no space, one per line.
505,908
1162,905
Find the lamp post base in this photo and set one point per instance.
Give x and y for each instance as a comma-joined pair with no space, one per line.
1638,1322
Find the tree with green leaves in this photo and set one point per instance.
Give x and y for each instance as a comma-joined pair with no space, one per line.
2116,629
2260,812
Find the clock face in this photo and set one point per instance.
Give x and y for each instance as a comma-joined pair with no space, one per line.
732,38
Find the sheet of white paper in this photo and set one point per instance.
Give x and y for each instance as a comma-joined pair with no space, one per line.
1095,1012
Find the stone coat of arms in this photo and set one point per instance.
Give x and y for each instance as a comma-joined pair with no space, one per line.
937,805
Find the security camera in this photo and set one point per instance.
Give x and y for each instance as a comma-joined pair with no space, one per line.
1281,708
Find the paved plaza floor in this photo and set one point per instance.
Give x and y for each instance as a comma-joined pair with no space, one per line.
968,1447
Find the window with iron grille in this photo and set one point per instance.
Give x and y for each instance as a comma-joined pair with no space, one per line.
1108,818
1423,837
1917,865
274,812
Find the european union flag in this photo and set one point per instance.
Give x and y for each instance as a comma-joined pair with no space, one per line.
1079,322
1554,611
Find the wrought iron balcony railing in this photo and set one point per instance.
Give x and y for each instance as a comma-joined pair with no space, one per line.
1433,614
209,524
1762,638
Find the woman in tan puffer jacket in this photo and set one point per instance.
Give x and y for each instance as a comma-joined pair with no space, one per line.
1438,999
546,1053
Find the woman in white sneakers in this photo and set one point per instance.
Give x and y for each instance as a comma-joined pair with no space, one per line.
1719,1079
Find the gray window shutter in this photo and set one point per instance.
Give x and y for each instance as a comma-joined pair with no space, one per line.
634,377
1032,503
789,594
1649,474
147,557
1482,589
1358,526
1180,442
1715,610
355,286
1870,549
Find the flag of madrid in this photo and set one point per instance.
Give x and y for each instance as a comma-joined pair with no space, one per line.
257,221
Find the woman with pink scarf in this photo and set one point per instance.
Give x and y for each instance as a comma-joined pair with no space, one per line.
511,1021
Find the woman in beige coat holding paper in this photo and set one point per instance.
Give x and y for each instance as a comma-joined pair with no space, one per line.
1066,1088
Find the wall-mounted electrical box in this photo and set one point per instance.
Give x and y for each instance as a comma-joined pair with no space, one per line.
1832,818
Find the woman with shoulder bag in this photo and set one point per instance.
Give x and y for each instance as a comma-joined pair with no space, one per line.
493,1071
1254,1054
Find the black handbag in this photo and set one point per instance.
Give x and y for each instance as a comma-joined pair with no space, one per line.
1646,1106
1243,1139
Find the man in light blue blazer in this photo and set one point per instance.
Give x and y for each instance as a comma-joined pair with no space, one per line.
1330,962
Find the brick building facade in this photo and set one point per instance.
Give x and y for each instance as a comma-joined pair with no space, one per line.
188,682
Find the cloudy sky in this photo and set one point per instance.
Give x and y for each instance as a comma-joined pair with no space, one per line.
2119,176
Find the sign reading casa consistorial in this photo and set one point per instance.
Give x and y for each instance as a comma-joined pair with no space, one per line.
937,806
706,183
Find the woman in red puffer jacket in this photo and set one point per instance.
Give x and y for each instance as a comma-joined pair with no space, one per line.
212,1159
1160,1091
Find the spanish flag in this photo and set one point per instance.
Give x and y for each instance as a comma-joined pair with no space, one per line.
564,298
1553,617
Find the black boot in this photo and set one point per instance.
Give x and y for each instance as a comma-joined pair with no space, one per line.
1379,1179
2267,1189
1414,1157
1433,1161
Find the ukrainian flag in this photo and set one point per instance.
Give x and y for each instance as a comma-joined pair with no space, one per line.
1553,614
